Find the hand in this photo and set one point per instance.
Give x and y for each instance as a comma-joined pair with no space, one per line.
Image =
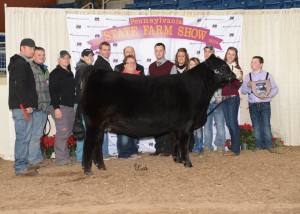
57,114
249,84
29,110
263,96
218,100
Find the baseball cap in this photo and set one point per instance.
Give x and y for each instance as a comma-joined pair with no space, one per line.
87,52
64,53
28,42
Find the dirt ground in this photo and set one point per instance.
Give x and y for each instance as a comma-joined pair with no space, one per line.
254,182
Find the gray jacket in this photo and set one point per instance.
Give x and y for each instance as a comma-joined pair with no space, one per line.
42,85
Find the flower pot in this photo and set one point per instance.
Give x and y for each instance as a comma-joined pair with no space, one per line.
244,146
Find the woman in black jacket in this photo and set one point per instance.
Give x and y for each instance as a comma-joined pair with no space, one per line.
62,93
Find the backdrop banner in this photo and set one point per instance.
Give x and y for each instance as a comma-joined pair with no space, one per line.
143,32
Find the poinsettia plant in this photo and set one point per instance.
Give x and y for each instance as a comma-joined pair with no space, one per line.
47,145
72,145
278,142
247,135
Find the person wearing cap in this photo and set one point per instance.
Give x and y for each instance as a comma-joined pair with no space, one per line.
87,59
129,51
39,115
217,115
62,93
22,94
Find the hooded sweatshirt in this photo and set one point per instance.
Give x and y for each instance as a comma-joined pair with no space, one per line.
22,89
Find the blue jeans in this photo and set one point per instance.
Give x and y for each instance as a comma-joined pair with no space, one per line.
105,151
39,119
23,130
231,109
218,117
79,145
260,114
126,146
198,147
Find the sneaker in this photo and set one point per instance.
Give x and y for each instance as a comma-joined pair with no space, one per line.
106,157
44,163
28,172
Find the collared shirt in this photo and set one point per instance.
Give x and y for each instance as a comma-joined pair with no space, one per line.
161,61
256,77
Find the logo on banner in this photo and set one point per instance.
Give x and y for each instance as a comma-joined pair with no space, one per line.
156,27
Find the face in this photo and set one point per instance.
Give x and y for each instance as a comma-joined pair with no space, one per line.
129,51
130,65
88,59
255,64
192,64
230,56
39,56
105,51
207,53
27,51
159,52
222,71
64,61
181,58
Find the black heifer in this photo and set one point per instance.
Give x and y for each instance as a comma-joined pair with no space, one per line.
143,106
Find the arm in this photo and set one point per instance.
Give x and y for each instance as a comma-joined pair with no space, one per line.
246,89
20,78
274,88
54,89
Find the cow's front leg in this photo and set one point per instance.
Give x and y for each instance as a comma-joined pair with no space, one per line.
176,151
89,148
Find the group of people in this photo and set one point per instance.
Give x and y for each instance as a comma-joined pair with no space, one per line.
34,93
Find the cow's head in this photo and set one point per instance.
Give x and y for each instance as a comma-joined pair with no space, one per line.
223,73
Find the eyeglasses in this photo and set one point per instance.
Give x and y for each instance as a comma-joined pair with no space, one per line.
131,63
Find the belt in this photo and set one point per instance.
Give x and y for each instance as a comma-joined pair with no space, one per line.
227,97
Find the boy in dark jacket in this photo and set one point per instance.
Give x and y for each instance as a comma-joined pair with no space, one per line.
22,94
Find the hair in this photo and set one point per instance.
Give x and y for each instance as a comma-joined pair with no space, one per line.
126,48
236,60
260,59
195,59
187,59
103,44
39,49
160,44
128,57
211,48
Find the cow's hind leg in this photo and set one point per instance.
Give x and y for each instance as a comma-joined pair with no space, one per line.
98,155
184,149
89,148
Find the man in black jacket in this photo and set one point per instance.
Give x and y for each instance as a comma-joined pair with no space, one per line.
129,51
22,100
102,61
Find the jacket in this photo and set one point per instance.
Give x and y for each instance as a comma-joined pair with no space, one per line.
80,68
41,76
22,89
62,87
102,64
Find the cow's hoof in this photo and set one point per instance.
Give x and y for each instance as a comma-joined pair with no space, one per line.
101,167
88,172
177,160
188,164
